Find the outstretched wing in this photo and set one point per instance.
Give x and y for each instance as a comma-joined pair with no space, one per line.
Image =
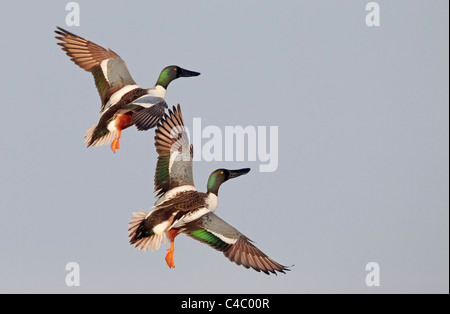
174,166
109,70
218,234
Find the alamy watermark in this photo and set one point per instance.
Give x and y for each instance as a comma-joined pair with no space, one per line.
73,275
73,17
234,143
373,277
373,17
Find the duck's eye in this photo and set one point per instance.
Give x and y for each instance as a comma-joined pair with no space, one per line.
174,69
221,172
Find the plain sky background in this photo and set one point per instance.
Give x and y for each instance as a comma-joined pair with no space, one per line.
363,119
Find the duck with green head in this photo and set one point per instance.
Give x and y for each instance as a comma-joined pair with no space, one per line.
124,103
181,208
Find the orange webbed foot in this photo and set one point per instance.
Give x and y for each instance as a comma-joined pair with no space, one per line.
115,142
169,258
115,145
172,233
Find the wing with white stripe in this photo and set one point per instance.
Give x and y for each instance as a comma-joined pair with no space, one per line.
174,166
212,230
109,70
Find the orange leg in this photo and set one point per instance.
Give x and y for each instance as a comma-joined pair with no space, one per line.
115,142
123,121
172,233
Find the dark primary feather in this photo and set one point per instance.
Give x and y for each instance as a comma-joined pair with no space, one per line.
89,56
207,229
84,53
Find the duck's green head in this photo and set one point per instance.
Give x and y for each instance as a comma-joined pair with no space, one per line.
219,176
172,72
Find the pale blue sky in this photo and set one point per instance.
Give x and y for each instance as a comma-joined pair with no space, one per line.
363,120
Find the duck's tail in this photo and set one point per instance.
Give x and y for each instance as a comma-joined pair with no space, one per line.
96,136
143,240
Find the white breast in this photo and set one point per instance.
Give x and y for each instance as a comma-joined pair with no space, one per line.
211,201
157,91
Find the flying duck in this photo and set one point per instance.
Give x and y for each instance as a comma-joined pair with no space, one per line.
124,103
181,208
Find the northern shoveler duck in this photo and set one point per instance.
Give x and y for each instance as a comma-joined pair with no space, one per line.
123,102
181,208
